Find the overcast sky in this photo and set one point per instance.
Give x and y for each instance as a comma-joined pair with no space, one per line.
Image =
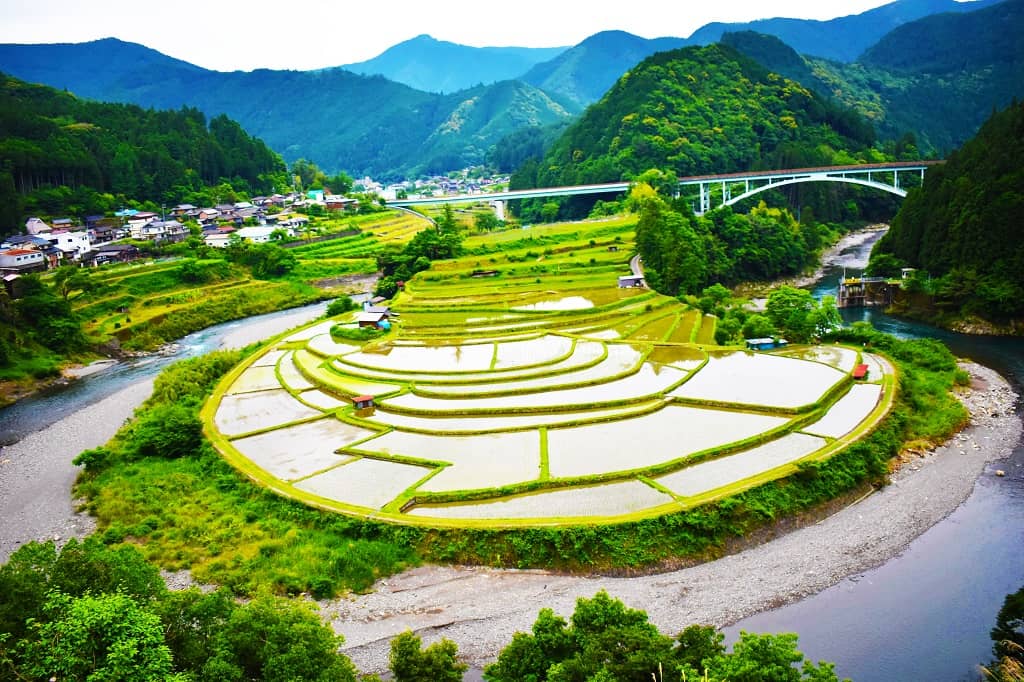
308,34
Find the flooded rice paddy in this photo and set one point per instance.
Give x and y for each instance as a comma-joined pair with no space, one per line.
848,412
642,442
612,499
749,378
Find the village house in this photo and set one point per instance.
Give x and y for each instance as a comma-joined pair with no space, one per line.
19,261
35,226
52,256
137,221
207,215
182,210
292,221
63,224
218,240
335,202
111,253
73,244
249,213
375,316
102,234
227,211
262,234
165,231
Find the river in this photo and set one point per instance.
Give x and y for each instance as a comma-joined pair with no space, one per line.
37,411
926,614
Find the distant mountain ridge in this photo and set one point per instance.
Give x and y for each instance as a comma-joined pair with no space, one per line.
432,65
336,118
843,38
583,73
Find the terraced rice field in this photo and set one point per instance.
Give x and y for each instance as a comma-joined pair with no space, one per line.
542,395
537,430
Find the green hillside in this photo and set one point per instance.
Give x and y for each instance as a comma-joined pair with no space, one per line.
963,225
56,144
700,110
584,72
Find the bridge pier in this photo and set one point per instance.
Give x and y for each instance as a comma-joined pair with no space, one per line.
499,209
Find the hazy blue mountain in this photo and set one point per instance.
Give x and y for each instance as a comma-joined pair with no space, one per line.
947,43
426,63
843,38
336,118
93,69
582,74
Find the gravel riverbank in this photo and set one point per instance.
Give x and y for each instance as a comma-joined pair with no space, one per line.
36,473
481,608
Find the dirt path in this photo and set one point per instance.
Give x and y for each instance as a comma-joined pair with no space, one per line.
481,608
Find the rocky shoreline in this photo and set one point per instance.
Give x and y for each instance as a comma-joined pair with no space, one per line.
481,608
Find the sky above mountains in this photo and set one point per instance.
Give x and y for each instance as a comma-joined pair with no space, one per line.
311,34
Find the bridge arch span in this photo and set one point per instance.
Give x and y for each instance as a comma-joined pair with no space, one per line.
891,189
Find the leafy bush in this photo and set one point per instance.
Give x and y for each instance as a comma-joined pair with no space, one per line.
171,431
340,305
356,333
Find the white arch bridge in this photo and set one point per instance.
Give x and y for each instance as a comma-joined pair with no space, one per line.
727,188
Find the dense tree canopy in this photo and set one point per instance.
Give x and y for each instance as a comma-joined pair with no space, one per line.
443,241
962,226
52,140
683,253
91,612
697,110
605,640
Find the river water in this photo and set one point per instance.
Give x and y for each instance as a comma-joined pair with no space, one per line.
38,411
926,614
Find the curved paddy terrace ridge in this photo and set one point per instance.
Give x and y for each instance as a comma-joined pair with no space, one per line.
559,407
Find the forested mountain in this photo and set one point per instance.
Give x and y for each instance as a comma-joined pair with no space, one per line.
937,78
482,117
700,110
584,72
338,119
53,139
843,38
432,65
963,225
